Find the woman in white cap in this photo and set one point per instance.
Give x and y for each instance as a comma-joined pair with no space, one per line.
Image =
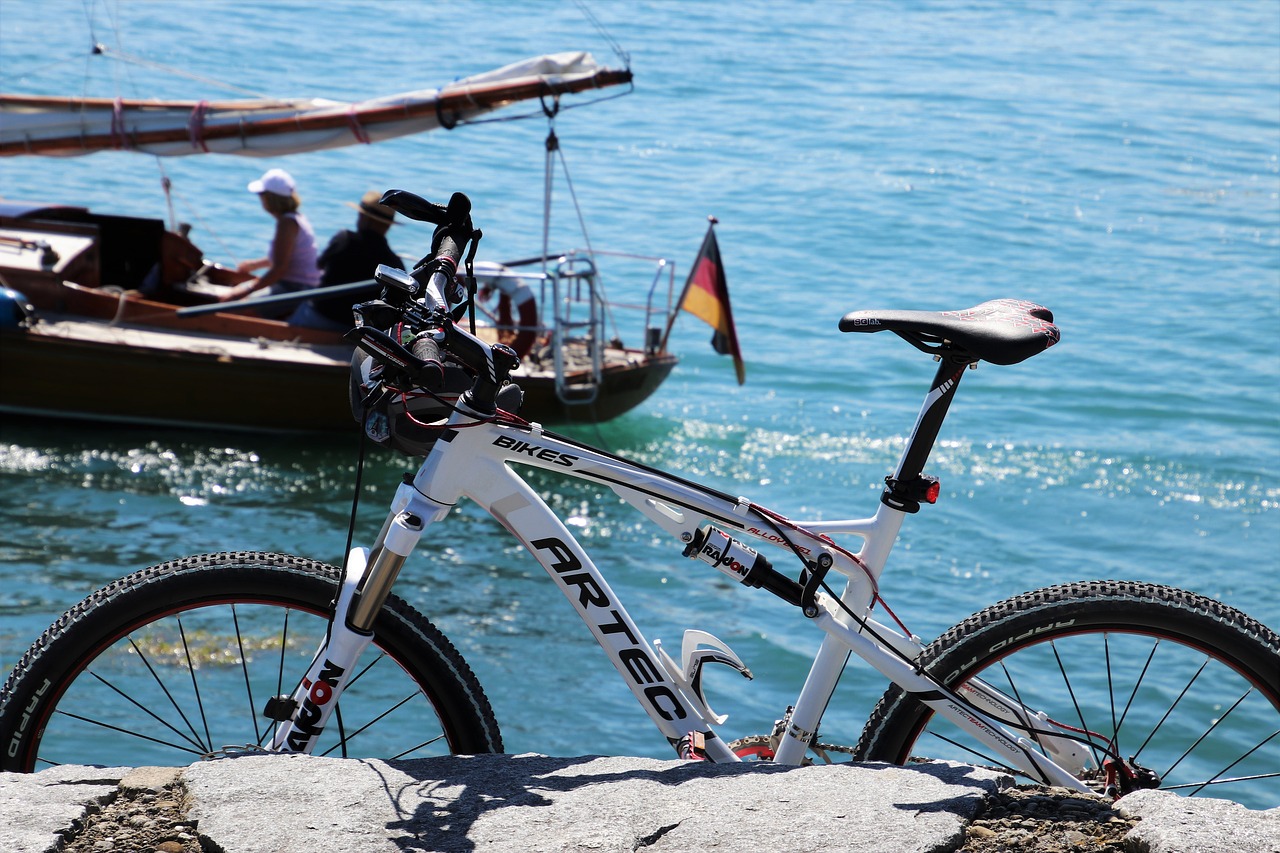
291,264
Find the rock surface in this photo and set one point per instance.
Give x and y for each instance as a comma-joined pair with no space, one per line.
1173,824
532,803
498,803
36,809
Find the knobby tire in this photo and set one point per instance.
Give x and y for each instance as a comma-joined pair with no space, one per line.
175,663
1070,647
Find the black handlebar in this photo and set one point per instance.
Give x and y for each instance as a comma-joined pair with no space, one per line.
454,231
420,364
418,208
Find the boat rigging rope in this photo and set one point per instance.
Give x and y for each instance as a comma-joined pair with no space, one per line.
97,48
170,190
553,149
604,34
103,50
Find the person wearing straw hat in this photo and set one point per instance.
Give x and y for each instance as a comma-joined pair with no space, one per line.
352,256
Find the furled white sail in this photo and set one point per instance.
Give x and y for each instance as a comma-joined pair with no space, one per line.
267,128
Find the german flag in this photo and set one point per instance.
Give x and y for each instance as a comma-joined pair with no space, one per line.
706,296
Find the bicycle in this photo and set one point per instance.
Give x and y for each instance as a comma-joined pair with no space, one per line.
252,652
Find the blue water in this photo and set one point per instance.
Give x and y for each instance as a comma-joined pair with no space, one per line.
1117,162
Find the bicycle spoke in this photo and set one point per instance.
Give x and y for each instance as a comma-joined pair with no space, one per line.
284,645
134,734
195,685
1012,687
414,749
1171,707
1255,777
361,673
1214,779
1141,676
1097,756
194,740
1111,693
244,668
168,695
342,731
983,756
1208,732
365,727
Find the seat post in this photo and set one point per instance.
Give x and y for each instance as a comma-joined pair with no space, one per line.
905,489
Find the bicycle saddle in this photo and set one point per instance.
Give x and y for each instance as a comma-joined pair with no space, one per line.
1002,331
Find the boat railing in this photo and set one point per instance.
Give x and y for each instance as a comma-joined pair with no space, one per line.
577,322
580,325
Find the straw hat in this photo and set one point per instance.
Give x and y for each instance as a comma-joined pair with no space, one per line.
370,207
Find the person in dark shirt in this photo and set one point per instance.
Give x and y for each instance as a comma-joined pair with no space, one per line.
353,256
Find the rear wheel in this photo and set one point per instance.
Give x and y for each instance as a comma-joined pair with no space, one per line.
1185,686
176,663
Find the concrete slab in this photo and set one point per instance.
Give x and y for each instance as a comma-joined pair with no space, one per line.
1174,824
532,803
38,809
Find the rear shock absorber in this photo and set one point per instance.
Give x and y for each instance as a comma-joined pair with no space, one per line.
741,562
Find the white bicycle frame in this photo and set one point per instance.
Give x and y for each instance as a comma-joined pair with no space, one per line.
474,458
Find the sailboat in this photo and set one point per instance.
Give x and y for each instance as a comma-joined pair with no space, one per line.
114,318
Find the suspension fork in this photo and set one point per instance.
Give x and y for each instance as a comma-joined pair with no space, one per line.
369,576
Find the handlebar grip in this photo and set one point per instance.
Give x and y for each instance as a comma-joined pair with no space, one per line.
425,372
431,372
415,207
418,208
452,235
449,250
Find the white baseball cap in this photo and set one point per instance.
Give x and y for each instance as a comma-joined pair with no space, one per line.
276,181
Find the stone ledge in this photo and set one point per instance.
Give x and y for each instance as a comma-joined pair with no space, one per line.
278,804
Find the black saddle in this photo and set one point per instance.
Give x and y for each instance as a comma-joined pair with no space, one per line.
1002,331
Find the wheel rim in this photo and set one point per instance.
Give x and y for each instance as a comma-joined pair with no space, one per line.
1197,721
193,684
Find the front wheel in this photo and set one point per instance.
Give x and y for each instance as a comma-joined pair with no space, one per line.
176,663
1174,682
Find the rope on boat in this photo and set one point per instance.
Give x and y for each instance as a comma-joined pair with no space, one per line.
604,34
122,300
554,149
103,50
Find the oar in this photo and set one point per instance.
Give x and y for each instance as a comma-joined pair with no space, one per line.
279,299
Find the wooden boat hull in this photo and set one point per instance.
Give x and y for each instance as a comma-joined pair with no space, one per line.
87,370
76,369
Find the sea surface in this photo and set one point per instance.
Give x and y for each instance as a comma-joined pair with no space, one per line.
1118,162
